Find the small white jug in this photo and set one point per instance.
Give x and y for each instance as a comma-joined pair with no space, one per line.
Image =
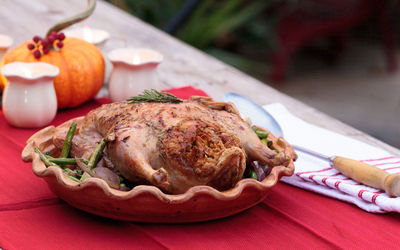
29,98
134,71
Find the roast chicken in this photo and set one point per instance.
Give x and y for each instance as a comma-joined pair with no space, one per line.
173,146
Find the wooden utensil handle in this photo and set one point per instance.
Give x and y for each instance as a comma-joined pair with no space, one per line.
368,175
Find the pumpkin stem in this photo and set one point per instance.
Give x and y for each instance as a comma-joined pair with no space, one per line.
74,19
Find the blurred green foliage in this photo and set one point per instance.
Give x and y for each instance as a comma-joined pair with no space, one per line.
155,12
239,32
212,20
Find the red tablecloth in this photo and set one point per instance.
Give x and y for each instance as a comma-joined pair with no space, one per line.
31,217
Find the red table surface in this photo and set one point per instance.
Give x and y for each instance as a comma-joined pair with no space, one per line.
31,217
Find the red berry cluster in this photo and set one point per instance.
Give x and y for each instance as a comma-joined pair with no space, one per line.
46,44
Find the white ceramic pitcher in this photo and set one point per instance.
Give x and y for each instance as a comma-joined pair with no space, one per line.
134,70
29,98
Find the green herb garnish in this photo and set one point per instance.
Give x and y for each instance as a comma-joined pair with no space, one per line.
262,134
155,96
253,175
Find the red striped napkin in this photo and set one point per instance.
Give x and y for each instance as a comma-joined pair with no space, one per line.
317,175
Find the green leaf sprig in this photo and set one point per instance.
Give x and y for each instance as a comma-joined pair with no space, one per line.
154,96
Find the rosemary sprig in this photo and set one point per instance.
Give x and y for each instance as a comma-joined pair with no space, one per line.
155,96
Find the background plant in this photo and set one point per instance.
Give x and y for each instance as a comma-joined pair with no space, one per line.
238,32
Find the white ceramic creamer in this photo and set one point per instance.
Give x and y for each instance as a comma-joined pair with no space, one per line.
134,70
29,98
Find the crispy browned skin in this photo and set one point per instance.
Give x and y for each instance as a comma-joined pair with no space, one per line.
174,146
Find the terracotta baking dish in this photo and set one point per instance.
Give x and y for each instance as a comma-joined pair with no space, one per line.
146,203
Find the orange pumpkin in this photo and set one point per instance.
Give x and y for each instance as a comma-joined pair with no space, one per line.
81,67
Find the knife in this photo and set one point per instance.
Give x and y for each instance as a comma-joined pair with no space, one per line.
358,171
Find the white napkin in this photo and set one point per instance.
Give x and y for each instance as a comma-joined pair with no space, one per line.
317,175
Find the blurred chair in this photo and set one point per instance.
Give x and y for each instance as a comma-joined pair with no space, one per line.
313,19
